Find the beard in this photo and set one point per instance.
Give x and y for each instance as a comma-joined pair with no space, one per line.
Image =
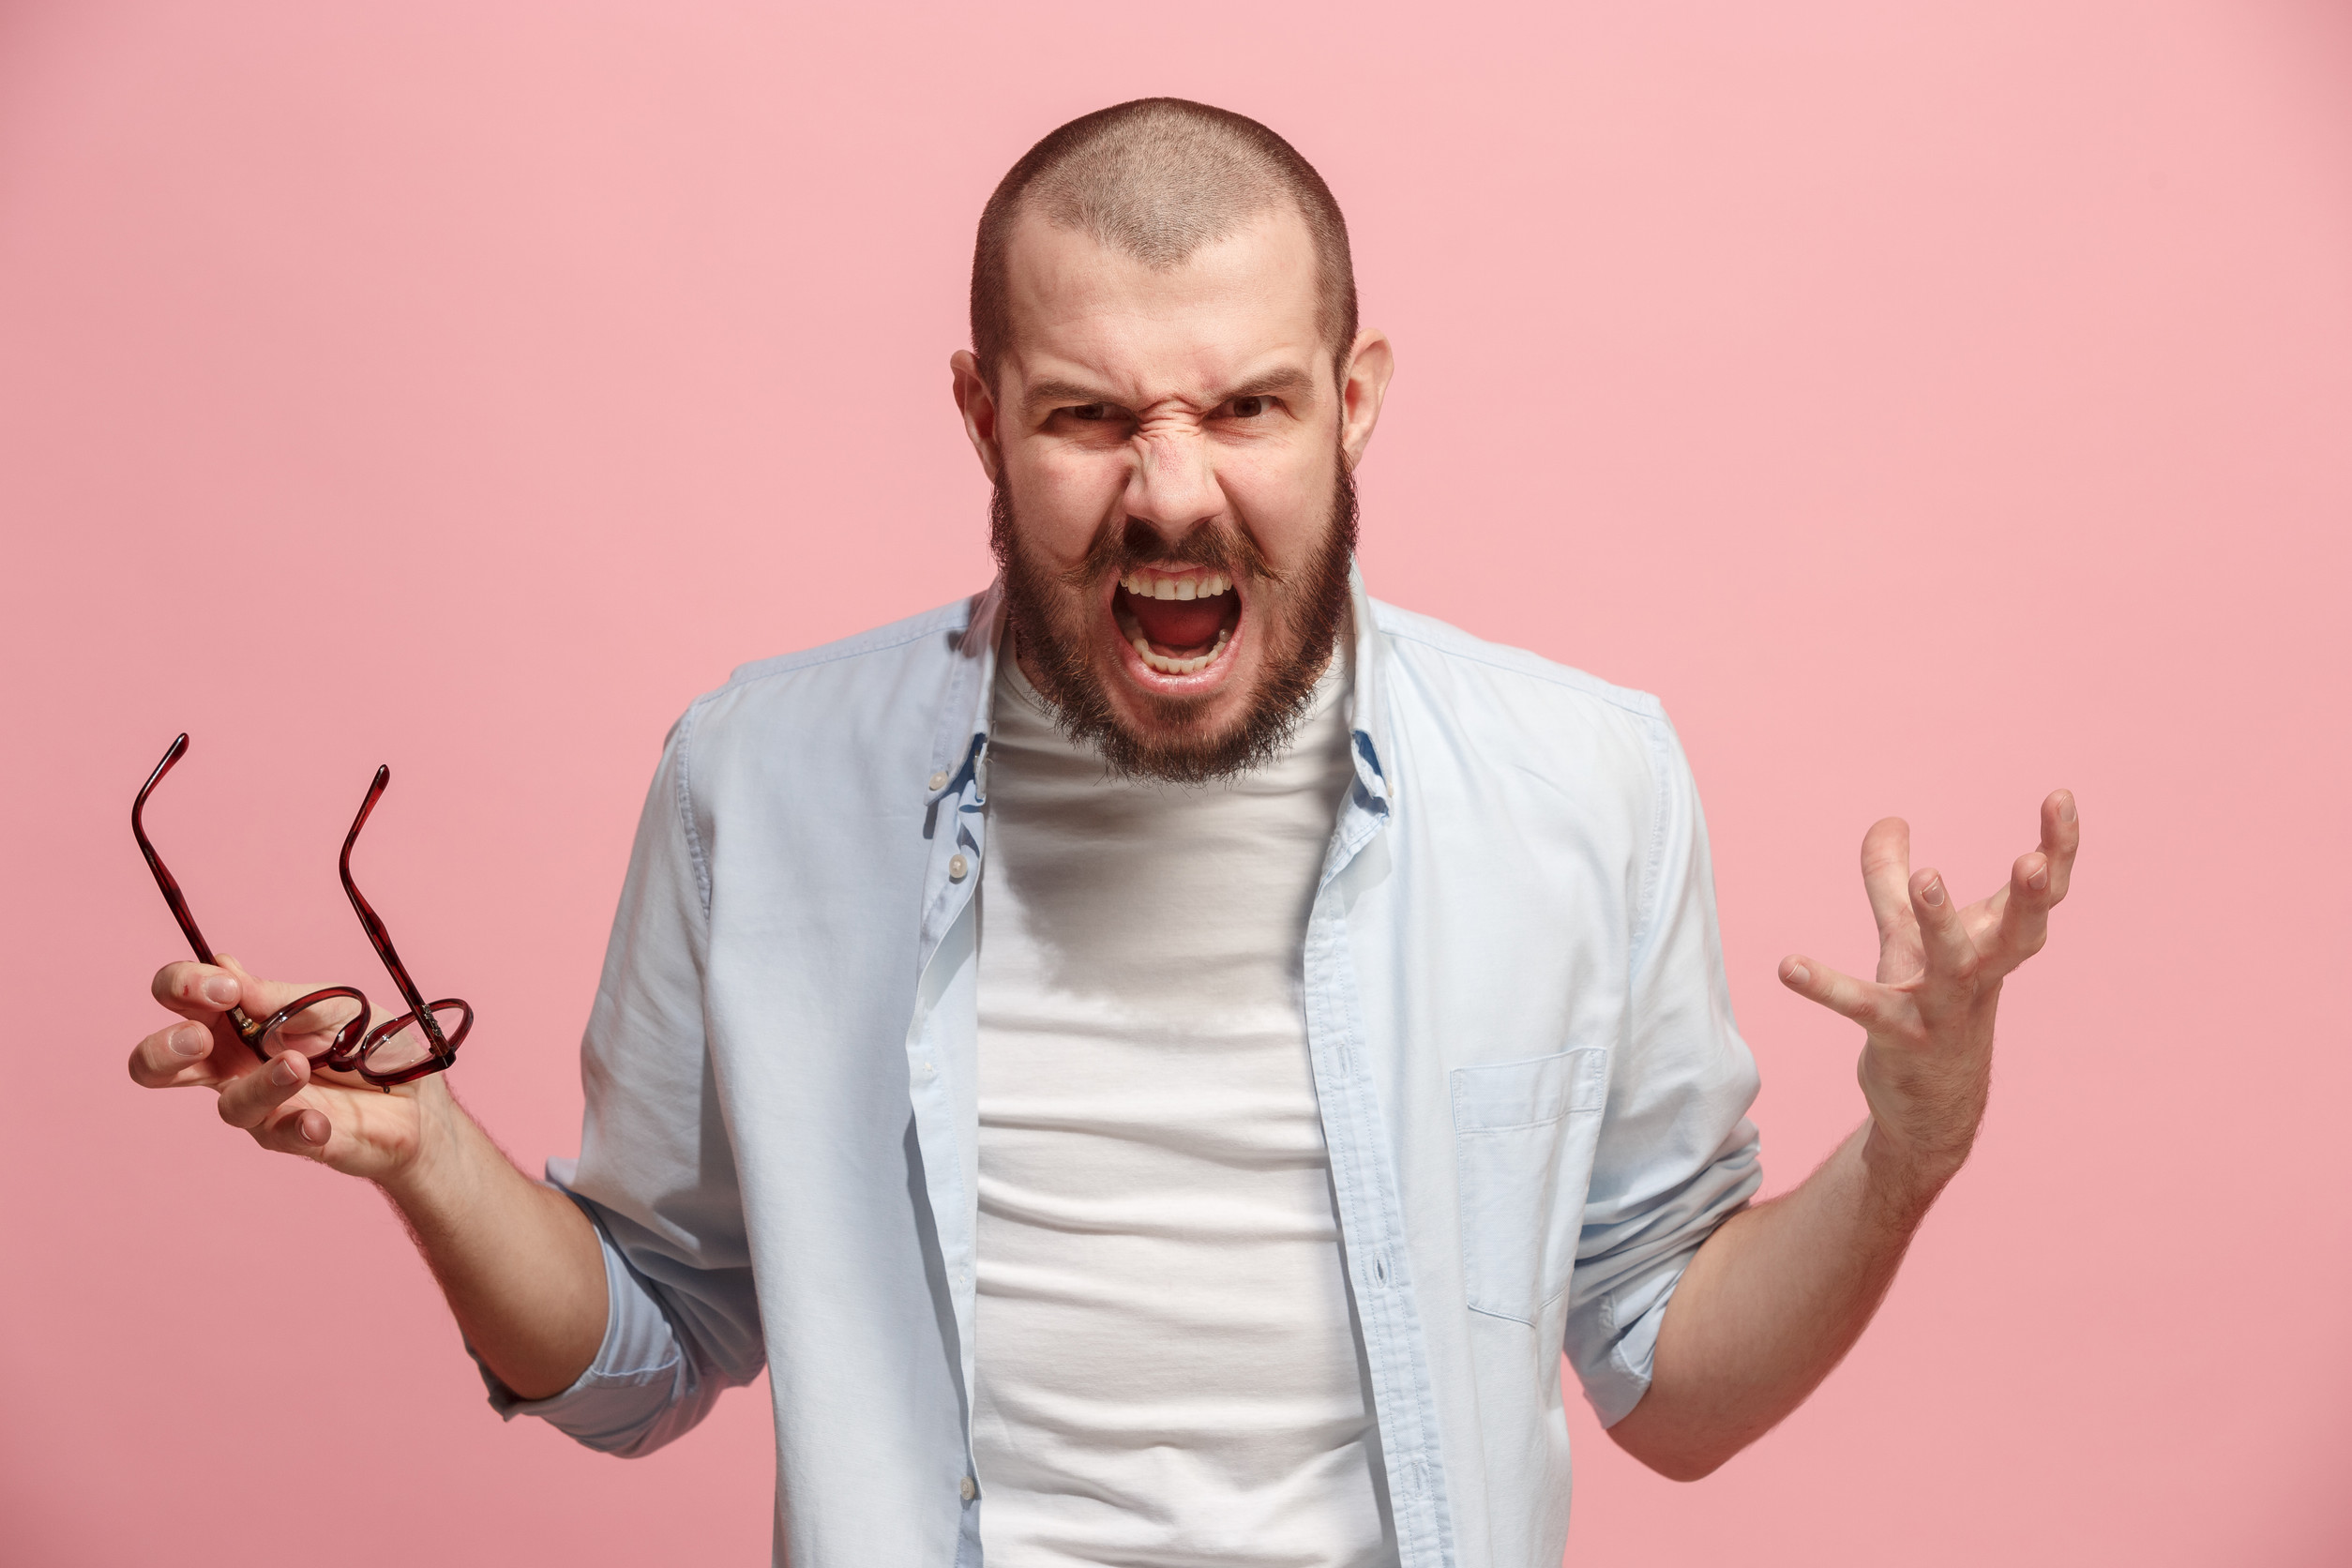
1298,618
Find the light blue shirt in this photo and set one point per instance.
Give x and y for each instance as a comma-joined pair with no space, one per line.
1532,1093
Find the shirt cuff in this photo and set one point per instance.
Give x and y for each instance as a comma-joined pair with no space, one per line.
1634,1314
1613,1340
639,1369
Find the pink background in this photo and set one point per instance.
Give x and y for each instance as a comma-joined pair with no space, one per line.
1935,404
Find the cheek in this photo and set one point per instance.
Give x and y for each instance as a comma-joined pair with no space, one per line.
1061,497
1284,497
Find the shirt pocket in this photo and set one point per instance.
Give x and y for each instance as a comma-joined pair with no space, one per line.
1523,1139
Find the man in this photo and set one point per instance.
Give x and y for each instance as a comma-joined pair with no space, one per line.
1161,1059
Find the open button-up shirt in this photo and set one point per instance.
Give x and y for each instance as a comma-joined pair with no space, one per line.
1532,1093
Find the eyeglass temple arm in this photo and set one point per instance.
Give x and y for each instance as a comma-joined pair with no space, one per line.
378,936
247,1029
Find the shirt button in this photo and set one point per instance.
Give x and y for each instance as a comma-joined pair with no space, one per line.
957,868
939,781
966,1489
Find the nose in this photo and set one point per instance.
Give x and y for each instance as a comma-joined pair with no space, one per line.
1174,483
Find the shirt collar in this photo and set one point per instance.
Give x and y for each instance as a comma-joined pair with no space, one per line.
1367,697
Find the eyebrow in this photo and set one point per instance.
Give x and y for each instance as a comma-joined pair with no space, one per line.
1066,392
1289,381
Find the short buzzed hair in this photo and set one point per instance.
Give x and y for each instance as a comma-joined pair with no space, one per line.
1157,179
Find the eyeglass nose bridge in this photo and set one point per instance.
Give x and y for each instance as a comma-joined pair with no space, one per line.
342,1051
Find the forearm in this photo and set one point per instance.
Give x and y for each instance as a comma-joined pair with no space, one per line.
518,1261
1771,1304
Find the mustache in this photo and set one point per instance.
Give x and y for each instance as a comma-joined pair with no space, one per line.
1127,542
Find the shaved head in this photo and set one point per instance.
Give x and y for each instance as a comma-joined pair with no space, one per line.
1157,179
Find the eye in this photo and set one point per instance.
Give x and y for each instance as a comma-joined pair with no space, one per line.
1250,408
1089,412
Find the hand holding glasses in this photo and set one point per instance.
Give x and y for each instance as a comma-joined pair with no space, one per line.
425,1039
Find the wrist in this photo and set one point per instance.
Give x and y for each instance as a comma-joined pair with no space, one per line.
1904,1181
442,1164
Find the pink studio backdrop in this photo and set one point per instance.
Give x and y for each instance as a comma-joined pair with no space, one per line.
1935,404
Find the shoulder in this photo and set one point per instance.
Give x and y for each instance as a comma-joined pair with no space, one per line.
1517,698
934,635
831,724
875,673
1504,753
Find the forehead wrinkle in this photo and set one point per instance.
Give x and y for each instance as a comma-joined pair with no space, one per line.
1062,284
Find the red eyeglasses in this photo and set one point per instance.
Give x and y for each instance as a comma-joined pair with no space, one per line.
425,1039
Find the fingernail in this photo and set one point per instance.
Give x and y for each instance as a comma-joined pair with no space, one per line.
313,1129
283,1073
1933,894
220,989
2040,880
1799,975
187,1041
2066,809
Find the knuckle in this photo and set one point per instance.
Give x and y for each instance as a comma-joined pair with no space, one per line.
283,1135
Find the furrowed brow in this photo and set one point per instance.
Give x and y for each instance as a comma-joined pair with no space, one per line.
1288,383
1049,393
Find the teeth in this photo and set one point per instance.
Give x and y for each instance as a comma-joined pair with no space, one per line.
1167,666
1205,587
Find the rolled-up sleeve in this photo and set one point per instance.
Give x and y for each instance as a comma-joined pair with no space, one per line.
1676,1155
656,1170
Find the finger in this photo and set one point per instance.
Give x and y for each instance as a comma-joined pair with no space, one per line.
248,1100
173,1058
1886,868
261,998
1866,1003
302,1131
2025,922
199,992
1951,957
2061,835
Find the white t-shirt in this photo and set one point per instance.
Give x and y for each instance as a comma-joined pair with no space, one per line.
1166,1360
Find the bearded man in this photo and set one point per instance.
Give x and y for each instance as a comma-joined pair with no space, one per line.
1160,1061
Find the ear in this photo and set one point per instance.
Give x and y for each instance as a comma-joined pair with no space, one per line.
1362,387
976,400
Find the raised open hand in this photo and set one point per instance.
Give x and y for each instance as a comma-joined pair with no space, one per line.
285,1102
1927,1056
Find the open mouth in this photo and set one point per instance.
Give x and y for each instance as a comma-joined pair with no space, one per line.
1178,623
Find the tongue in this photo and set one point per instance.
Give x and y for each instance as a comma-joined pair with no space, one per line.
1179,626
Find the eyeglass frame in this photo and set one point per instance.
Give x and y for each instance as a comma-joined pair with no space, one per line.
354,1042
